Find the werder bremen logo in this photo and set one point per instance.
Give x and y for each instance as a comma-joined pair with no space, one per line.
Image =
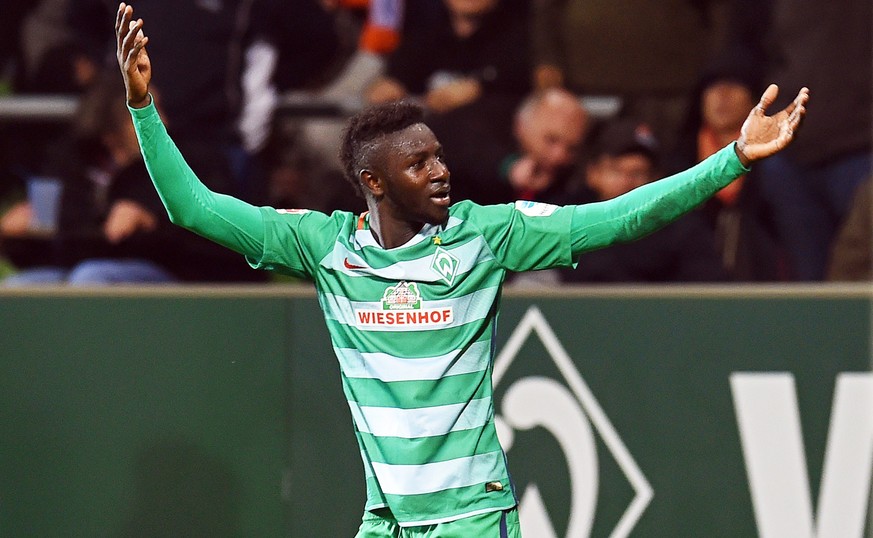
558,403
445,265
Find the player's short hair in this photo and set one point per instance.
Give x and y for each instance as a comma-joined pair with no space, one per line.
367,127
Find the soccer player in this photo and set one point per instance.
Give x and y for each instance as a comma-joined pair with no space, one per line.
410,289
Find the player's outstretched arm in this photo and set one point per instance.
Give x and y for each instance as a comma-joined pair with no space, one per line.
652,206
189,203
761,135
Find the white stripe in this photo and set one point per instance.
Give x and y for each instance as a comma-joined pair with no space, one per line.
422,421
385,367
431,477
469,254
466,309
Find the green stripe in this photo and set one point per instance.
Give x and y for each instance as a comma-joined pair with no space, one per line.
417,394
375,496
451,502
459,444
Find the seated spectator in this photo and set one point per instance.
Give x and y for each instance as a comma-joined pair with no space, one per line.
625,156
549,130
112,228
738,213
468,62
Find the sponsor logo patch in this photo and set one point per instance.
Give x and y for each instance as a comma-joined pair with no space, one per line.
402,307
535,209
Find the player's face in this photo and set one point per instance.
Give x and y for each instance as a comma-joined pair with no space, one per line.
414,176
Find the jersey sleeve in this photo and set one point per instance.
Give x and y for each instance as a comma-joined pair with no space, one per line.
295,240
525,236
652,206
256,232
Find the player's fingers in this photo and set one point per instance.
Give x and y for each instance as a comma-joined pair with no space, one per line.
130,38
118,16
767,99
138,47
125,13
135,50
802,97
796,116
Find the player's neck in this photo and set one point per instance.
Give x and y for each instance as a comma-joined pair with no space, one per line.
390,232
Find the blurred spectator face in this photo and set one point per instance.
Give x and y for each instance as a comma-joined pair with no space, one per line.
470,8
726,104
550,131
610,176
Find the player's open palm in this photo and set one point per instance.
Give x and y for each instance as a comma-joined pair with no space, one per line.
762,135
132,56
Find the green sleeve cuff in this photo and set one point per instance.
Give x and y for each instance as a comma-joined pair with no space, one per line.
146,111
733,149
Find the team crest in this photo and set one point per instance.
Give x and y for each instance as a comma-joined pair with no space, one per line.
445,265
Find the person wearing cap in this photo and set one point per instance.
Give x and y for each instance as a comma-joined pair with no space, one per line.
740,215
625,155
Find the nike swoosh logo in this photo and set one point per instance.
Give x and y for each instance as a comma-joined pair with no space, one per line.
351,266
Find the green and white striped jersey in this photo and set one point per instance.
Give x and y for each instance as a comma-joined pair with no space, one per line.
413,328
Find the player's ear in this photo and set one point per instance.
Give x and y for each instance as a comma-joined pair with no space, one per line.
371,182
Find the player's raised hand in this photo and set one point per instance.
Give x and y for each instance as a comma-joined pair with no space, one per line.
762,135
132,56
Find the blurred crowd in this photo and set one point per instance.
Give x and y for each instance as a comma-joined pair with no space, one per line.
557,101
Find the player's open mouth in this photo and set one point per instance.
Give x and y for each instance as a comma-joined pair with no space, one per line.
441,198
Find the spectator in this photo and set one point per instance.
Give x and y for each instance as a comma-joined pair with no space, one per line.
827,46
302,156
40,55
549,130
649,54
289,46
381,30
738,214
111,225
469,63
625,156
54,60
200,46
